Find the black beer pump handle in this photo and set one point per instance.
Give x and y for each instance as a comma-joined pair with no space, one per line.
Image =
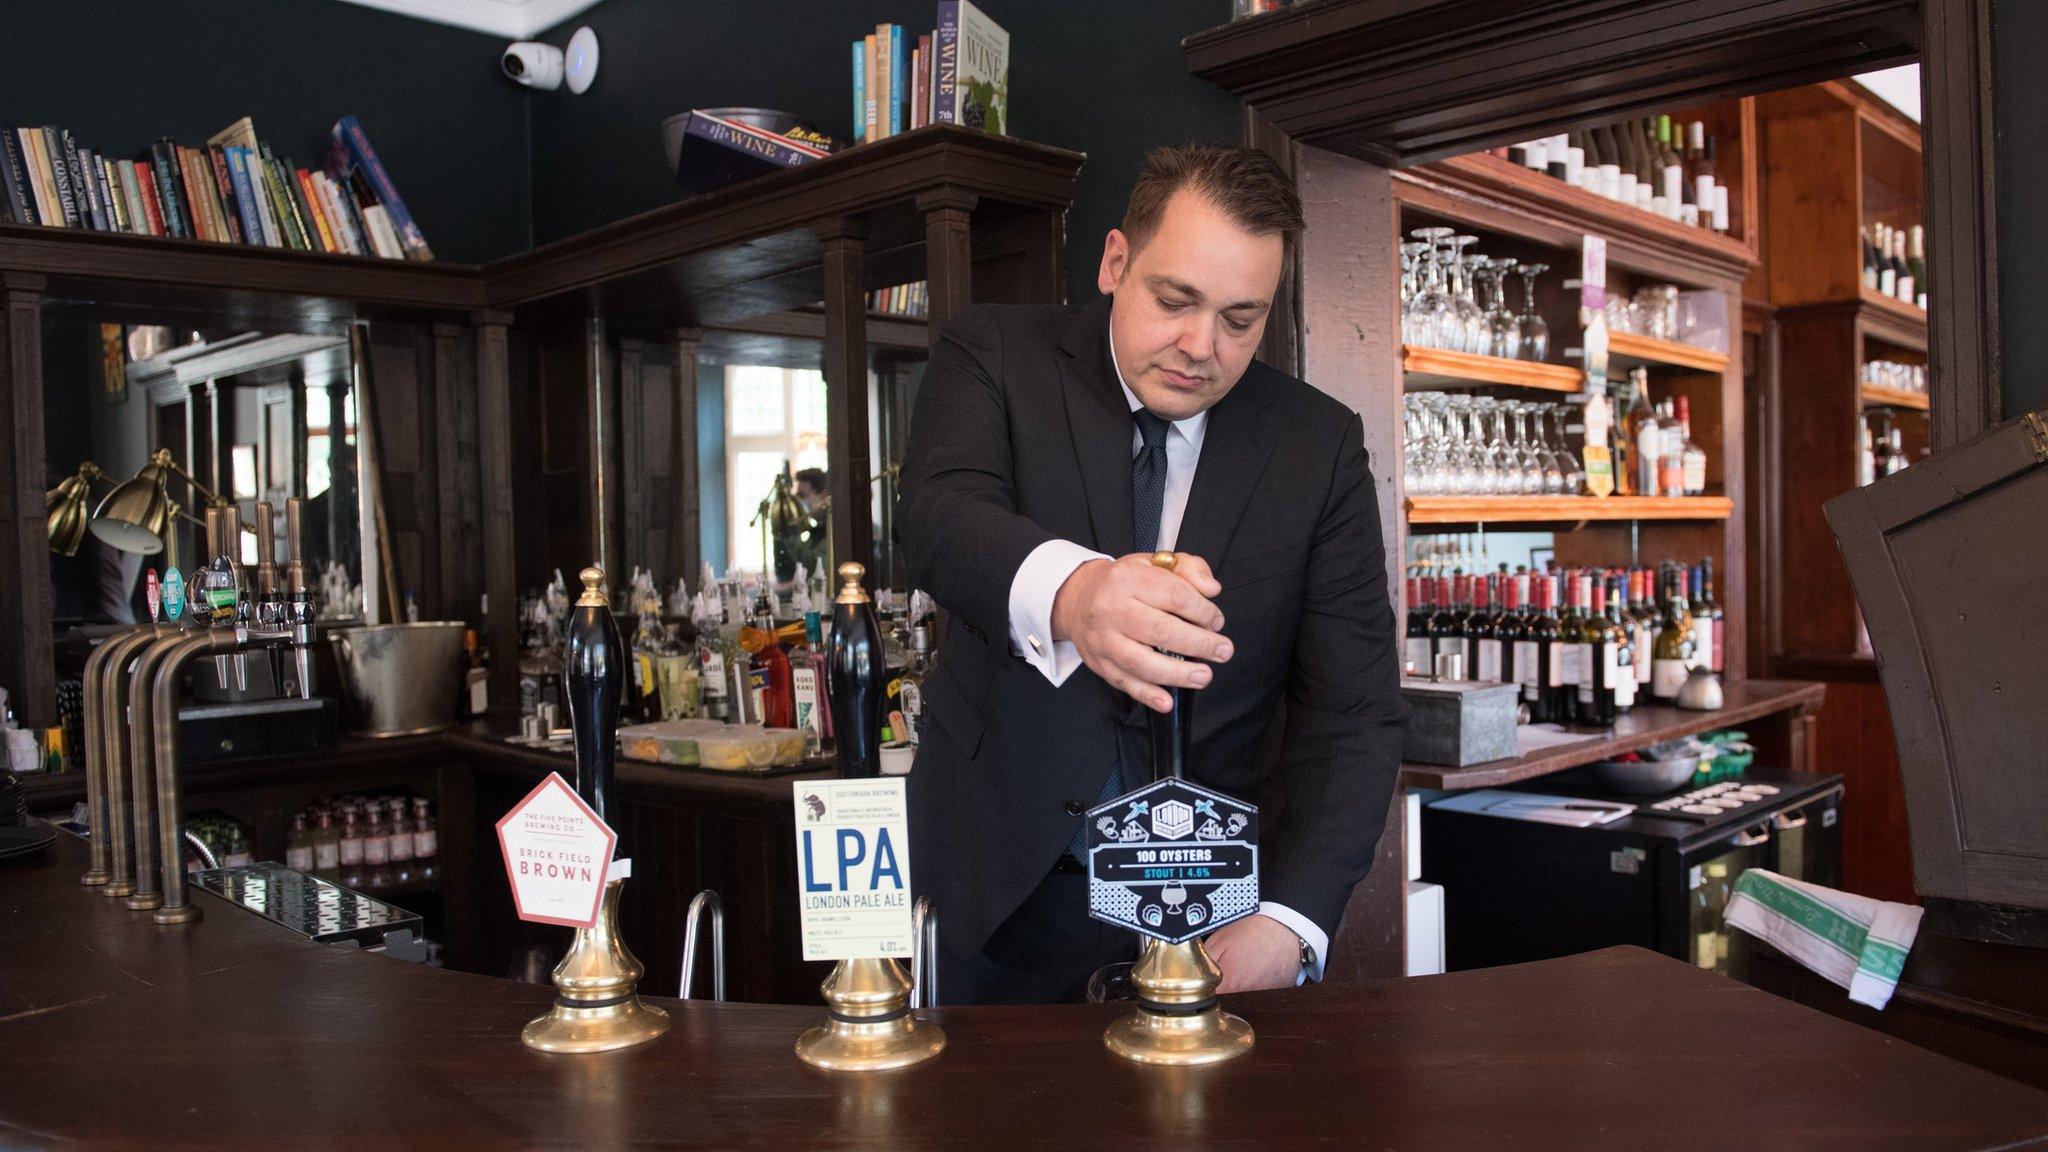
1170,728
597,675
855,677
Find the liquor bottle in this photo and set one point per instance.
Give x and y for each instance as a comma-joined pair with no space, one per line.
326,846
298,846
807,682
1916,262
1608,174
398,816
1509,628
1415,644
855,677
1482,639
1673,655
376,850
1902,270
1537,659
237,854
716,701
426,842
1447,627
1671,454
351,850
1692,458
1645,438
1630,408
768,672
1887,274
1709,620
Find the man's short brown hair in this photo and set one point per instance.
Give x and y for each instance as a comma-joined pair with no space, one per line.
1248,185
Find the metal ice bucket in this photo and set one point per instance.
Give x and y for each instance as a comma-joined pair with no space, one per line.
400,679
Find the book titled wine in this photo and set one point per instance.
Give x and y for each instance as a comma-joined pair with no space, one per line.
972,76
717,151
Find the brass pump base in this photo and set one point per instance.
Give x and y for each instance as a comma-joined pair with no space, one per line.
871,1028
596,1008
1187,1027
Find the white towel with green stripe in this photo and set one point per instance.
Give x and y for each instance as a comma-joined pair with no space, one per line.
1854,941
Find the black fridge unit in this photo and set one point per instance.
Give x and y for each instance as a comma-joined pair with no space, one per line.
1519,890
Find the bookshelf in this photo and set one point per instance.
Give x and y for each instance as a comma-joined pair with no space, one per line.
979,217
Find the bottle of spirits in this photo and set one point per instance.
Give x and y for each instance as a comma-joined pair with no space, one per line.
807,682
768,673
1415,647
376,851
426,843
298,846
1692,458
351,850
326,846
1646,440
905,694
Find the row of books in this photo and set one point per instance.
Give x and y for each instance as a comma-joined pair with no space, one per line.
912,301
958,73
233,191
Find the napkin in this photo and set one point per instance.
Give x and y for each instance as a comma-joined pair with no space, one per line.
1853,941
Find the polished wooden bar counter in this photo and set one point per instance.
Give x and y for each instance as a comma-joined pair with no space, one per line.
233,1032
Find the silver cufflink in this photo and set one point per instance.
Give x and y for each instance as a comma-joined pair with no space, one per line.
1035,645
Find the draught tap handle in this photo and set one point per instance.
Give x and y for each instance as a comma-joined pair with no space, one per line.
266,551
1170,729
597,677
298,598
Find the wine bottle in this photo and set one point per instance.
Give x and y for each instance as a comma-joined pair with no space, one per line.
1415,644
1642,620
1674,169
1539,692
1447,627
1585,634
1869,257
1902,270
1646,437
1917,263
1648,166
1671,452
1673,655
1887,272
1709,620
1565,704
1509,628
1482,638
1692,458
1620,659
1625,154
1609,175
1600,641
1720,206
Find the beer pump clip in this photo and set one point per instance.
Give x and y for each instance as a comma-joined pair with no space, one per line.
1174,861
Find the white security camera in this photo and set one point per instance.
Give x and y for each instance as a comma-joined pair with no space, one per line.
540,65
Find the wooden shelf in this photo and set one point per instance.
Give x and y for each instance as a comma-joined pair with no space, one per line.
1893,307
1563,509
1436,367
1893,397
1628,348
1643,725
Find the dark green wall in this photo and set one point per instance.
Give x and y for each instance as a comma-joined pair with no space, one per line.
121,73
1108,80
2019,44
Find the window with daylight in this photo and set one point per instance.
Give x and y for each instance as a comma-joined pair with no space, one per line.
774,418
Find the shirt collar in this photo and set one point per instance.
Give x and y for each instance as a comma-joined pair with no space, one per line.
1190,429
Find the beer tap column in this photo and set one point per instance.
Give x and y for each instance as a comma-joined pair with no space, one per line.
110,706
298,597
596,1005
1177,1019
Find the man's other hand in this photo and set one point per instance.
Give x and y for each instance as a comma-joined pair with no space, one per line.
1119,613
1256,952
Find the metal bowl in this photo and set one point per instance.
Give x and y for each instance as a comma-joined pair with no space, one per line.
1643,777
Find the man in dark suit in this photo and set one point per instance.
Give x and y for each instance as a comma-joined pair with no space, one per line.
1052,450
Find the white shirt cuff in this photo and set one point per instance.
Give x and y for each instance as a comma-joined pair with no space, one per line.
1305,928
1037,582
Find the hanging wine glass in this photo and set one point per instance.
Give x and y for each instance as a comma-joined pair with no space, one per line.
1574,472
1504,337
1533,330
1553,467
1468,322
1528,460
1430,303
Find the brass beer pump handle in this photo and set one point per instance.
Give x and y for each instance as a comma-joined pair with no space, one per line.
596,1007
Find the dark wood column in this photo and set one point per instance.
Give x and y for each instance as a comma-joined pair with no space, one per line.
26,670
948,253
453,468
686,532
1962,227
846,381
494,457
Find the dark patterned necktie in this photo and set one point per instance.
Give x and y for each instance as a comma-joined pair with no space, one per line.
1148,481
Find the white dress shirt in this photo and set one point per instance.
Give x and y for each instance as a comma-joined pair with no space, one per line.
1039,578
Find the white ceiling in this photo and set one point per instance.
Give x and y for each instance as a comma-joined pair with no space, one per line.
512,19
1898,87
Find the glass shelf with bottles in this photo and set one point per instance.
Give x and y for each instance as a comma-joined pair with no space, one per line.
381,844
1669,167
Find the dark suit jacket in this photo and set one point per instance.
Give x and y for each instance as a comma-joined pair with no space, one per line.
1021,434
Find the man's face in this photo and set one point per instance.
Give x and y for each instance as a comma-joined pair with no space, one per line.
1190,306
